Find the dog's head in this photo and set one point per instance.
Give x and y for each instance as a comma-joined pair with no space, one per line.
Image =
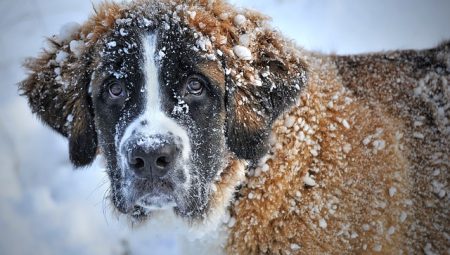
174,95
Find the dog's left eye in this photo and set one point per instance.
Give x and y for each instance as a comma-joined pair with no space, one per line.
195,85
116,90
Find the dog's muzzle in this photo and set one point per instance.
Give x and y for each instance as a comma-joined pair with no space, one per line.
153,170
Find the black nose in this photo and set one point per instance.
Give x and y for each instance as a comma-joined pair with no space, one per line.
154,160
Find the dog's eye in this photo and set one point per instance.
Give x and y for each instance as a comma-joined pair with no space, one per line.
195,85
116,89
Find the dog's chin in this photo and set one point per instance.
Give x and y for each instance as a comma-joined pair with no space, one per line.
150,203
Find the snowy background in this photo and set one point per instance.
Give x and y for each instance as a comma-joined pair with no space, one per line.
47,208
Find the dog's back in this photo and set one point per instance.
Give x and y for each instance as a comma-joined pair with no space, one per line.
414,86
371,136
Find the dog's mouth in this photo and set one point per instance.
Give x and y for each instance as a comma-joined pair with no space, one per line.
152,202
149,203
139,197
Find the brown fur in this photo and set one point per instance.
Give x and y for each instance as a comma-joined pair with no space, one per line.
352,194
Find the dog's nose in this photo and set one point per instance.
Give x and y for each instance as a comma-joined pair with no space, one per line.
153,161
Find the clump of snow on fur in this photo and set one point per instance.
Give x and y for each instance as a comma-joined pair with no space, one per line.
111,44
309,181
67,31
204,43
323,224
392,191
244,40
76,47
239,20
61,57
242,52
295,247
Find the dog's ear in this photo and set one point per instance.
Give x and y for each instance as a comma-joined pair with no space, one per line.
264,88
57,89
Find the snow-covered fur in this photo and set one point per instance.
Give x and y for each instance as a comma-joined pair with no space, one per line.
320,154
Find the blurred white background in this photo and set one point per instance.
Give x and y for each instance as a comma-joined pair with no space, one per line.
47,208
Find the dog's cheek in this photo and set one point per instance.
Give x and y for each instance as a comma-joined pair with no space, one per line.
248,143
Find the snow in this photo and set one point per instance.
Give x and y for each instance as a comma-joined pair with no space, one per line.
392,191
295,247
345,124
47,208
242,52
111,44
67,30
244,40
309,181
239,20
377,247
76,47
61,57
323,224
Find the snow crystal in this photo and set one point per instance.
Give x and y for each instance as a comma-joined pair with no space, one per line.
192,14
242,52
239,20
392,191
231,222
314,152
57,71
204,43
391,230
126,21
123,32
61,57
366,140
418,135
365,227
244,40
353,235
289,121
323,224
309,181
111,44
76,47
345,124
69,118
166,26
377,247
67,31
438,189
347,148
295,247
379,144
147,22
330,105
428,251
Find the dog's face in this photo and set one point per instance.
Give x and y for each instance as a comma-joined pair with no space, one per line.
159,111
167,101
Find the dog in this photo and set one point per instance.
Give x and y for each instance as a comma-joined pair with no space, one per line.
202,109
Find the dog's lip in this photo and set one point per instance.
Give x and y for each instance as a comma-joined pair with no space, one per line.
156,201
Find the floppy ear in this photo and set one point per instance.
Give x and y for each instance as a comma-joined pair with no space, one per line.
57,91
252,107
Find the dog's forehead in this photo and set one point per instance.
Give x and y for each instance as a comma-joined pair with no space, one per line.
121,53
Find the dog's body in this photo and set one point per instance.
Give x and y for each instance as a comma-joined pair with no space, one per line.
378,150
199,108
